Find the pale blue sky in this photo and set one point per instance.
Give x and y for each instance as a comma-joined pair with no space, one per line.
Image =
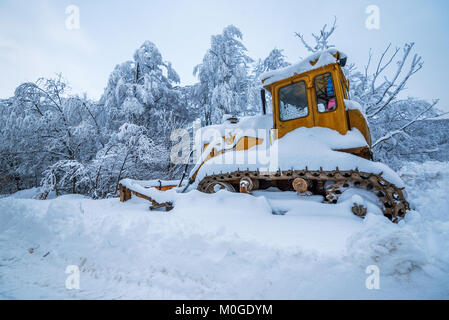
34,41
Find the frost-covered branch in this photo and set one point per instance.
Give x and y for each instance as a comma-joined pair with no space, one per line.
321,39
380,67
416,65
402,128
365,78
95,122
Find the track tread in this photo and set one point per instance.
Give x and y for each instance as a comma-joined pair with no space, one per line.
394,203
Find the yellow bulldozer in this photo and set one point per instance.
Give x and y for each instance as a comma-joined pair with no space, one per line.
323,136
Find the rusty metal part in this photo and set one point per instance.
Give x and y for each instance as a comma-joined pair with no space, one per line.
394,204
125,195
363,152
156,205
300,185
359,210
247,185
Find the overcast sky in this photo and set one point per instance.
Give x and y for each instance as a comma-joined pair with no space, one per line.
35,42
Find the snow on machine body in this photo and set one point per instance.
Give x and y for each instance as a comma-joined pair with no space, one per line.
318,143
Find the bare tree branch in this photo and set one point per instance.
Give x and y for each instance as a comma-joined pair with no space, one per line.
321,39
381,68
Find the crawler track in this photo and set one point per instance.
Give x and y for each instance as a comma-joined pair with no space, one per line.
394,204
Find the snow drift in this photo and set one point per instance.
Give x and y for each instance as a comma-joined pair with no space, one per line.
227,246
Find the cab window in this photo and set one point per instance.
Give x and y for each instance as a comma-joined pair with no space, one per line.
293,103
325,93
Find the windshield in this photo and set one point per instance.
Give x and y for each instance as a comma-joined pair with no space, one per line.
293,103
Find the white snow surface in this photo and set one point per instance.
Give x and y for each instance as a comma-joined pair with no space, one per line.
324,58
228,246
248,125
148,183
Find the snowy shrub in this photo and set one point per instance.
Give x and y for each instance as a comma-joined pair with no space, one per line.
66,176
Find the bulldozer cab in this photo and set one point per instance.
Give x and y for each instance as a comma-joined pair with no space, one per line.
312,99
314,93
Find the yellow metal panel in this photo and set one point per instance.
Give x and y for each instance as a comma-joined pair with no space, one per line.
246,143
356,120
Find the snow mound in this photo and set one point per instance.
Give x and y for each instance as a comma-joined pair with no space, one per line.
431,175
32,193
248,125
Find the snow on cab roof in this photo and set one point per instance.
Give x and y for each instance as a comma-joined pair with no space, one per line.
314,61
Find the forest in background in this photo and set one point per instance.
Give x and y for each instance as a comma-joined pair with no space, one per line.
71,144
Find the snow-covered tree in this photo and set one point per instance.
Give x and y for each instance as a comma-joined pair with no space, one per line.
381,91
72,144
11,179
274,61
44,126
143,91
223,76
394,130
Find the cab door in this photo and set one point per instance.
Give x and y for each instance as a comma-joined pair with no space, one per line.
327,100
293,105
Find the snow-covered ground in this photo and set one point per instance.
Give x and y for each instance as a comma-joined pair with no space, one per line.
227,246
